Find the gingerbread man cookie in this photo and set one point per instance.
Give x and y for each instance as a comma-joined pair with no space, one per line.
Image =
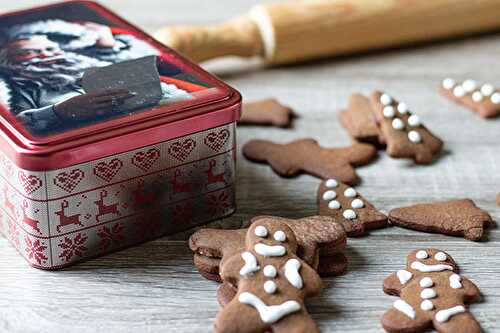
272,283
431,294
308,156
482,99
266,112
404,133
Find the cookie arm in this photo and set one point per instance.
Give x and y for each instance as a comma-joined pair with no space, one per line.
230,270
471,291
392,285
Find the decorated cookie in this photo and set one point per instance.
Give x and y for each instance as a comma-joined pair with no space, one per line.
348,207
272,281
308,156
431,294
498,199
359,121
483,99
404,133
455,218
266,112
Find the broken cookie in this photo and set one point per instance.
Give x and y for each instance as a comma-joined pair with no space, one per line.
482,99
308,156
345,205
454,218
266,112
403,132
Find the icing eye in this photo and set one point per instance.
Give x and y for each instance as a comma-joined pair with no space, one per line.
260,231
440,256
422,255
280,236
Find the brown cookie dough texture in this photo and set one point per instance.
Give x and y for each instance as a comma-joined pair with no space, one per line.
345,205
454,218
267,112
498,199
482,99
403,132
431,295
306,155
272,283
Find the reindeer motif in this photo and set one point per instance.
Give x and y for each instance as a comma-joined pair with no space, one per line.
65,220
141,197
103,208
7,203
178,187
28,220
214,178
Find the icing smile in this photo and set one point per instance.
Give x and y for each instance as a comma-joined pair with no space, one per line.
270,251
430,268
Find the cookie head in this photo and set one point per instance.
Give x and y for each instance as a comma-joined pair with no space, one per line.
431,260
270,237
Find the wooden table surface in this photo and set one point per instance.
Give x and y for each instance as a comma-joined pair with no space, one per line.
155,287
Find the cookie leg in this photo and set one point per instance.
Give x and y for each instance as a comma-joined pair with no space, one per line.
395,321
461,323
240,318
299,322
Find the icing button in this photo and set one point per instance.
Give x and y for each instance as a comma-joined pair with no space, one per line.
357,203
487,89
427,305
426,282
398,124
495,98
349,214
414,137
477,96
350,192
334,204
270,287
389,112
402,108
414,120
331,183
469,85
270,271
329,195
385,99
448,83
459,92
428,293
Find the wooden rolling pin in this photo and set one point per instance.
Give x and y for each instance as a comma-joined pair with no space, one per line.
301,30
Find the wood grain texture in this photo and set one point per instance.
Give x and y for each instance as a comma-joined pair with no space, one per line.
155,287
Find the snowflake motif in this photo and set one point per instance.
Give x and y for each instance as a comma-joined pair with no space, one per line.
218,203
35,250
110,236
13,234
73,247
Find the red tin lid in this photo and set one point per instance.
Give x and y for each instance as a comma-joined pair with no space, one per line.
74,74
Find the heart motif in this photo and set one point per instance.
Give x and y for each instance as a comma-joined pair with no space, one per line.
181,150
68,181
107,170
30,183
144,160
217,140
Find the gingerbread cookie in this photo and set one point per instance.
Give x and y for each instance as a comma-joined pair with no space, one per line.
498,199
272,283
482,99
404,133
454,217
266,112
432,294
348,207
308,156
359,121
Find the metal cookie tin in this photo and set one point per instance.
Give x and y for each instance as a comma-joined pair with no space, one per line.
107,138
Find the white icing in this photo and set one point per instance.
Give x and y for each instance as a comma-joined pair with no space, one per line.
443,316
398,124
448,83
389,112
357,204
404,276
269,314
250,266
350,192
422,255
349,214
270,271
414,137
455,281
402,108
331,183
495,98
440,256
414,120
334,204
260,231
405,308
487,89
292,274
426,305
459,92
477,96
270,287
428,293
280,236
426,282
329,195
430,268
469,85
270,251
385,99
